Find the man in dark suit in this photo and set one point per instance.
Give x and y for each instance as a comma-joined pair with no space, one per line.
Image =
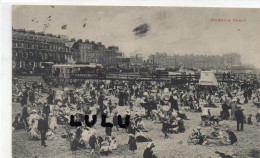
239,117
46,110
43,128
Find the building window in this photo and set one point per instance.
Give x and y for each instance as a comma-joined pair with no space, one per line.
26,55
19,44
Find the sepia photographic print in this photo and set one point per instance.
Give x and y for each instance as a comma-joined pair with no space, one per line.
135,82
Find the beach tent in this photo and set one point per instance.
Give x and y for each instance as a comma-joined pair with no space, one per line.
208,78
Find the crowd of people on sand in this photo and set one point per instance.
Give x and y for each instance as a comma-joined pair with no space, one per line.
44,109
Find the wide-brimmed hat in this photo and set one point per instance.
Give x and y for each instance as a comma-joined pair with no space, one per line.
131,135
153,91
216,127
234,100
195,130
150,145
166,97
86,128
181,112
34,111
198,127
239,107
178,118
227,130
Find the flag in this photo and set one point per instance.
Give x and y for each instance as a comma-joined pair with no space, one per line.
64,27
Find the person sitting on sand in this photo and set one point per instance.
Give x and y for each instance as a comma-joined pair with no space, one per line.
148,152
113,143
215,136
196,137
33,135
105,148
181,128
17,124
92,143
217,133
249,120
232,138
257,116
224,114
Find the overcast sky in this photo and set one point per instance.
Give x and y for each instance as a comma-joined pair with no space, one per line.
172,30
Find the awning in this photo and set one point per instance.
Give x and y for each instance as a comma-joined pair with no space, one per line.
73,66
208,78
99,65
160,69
69,87
49,63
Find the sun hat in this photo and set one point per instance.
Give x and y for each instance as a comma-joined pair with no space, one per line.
238,107
34,111
198,127
131,135
150,145
216,127
178,118
195,130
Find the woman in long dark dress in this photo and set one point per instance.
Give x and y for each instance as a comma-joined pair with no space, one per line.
121,98
24,116
132,143
165,129
74,145
148,152
76,142
92,142
181,125
108,131
115,121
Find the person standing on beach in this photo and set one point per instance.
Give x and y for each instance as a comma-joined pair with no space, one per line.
43,128
239,115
